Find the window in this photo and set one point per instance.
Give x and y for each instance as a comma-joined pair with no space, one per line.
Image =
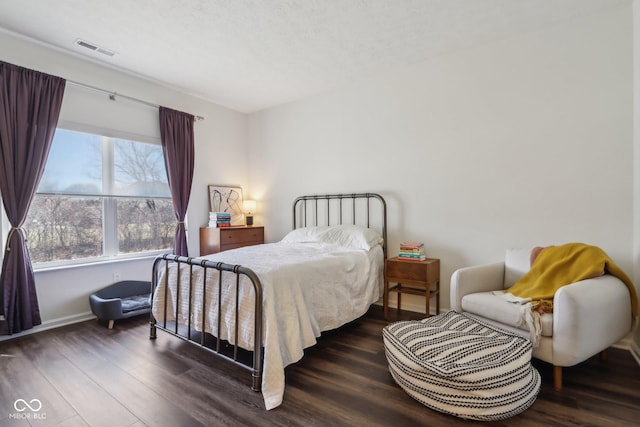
100,197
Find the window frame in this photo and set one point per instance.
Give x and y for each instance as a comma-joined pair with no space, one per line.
109,202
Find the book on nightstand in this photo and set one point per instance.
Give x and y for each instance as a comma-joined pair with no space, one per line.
412,251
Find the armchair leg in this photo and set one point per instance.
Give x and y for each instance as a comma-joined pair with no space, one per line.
604,355
111,322
557,377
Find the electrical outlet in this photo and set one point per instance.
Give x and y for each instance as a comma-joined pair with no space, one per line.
116,277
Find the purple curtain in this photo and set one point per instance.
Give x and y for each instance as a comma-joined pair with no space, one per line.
30,104
176,131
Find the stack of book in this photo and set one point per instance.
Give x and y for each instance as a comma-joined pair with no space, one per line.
412,251
219,219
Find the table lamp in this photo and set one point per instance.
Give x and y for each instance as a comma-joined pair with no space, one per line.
249,207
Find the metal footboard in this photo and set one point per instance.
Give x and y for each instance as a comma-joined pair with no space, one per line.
186,332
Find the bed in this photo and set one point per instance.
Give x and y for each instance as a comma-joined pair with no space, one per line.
261,306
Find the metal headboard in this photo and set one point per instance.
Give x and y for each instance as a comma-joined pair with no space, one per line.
337,209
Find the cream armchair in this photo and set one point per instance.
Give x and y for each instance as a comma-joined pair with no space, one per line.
588,317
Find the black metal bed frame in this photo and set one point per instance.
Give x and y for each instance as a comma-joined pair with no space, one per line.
315,216
309,210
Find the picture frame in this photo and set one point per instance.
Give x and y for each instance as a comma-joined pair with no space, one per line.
225,198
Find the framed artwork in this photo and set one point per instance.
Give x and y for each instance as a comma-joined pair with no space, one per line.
227,199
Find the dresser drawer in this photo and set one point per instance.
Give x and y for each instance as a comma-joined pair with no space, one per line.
227,247
214,240
234,236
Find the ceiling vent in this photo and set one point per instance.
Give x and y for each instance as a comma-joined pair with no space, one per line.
94,47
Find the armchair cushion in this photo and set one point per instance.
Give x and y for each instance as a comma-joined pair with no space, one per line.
480,278
492,306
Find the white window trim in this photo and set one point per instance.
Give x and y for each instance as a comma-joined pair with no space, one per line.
110,241
111,133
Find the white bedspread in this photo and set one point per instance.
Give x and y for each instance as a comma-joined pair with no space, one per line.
307,288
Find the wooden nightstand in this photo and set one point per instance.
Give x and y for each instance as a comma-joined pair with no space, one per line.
214,240
412,277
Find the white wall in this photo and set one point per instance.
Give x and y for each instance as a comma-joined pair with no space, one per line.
523,142
220,159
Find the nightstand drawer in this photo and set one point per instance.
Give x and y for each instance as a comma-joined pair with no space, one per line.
419,273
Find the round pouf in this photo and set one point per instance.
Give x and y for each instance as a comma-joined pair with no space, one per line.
459,366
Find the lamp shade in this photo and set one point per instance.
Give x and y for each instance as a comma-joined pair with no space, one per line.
249,206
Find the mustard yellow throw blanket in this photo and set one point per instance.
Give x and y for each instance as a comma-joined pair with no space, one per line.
557,266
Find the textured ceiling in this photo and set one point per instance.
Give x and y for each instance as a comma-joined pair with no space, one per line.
253,54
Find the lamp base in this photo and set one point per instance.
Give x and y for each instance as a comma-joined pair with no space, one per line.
249,219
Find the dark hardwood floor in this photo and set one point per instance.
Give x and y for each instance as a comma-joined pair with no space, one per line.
85,374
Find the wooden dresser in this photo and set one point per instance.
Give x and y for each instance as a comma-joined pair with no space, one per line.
214,240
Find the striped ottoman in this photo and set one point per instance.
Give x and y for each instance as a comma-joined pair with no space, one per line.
456,365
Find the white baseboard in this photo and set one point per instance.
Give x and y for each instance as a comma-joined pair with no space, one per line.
413,303
624,344
52,324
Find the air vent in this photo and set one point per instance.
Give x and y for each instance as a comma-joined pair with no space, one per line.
105,51
94,47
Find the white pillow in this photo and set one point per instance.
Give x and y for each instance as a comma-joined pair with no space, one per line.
305,235
352,236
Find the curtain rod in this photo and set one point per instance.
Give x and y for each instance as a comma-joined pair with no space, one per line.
113,95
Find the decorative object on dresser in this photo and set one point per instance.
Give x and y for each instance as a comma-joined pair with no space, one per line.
412,277
218,239
249,207
274,300
219,219
227,199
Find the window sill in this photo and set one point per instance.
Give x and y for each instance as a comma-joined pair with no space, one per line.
97,262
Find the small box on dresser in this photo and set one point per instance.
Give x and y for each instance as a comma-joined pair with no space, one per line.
218,239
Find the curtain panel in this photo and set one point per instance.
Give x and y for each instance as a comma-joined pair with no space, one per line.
176,131
30,104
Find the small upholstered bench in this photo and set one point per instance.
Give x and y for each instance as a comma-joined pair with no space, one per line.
456,365
121,300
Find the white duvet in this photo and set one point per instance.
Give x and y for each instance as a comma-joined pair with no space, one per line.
307,288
